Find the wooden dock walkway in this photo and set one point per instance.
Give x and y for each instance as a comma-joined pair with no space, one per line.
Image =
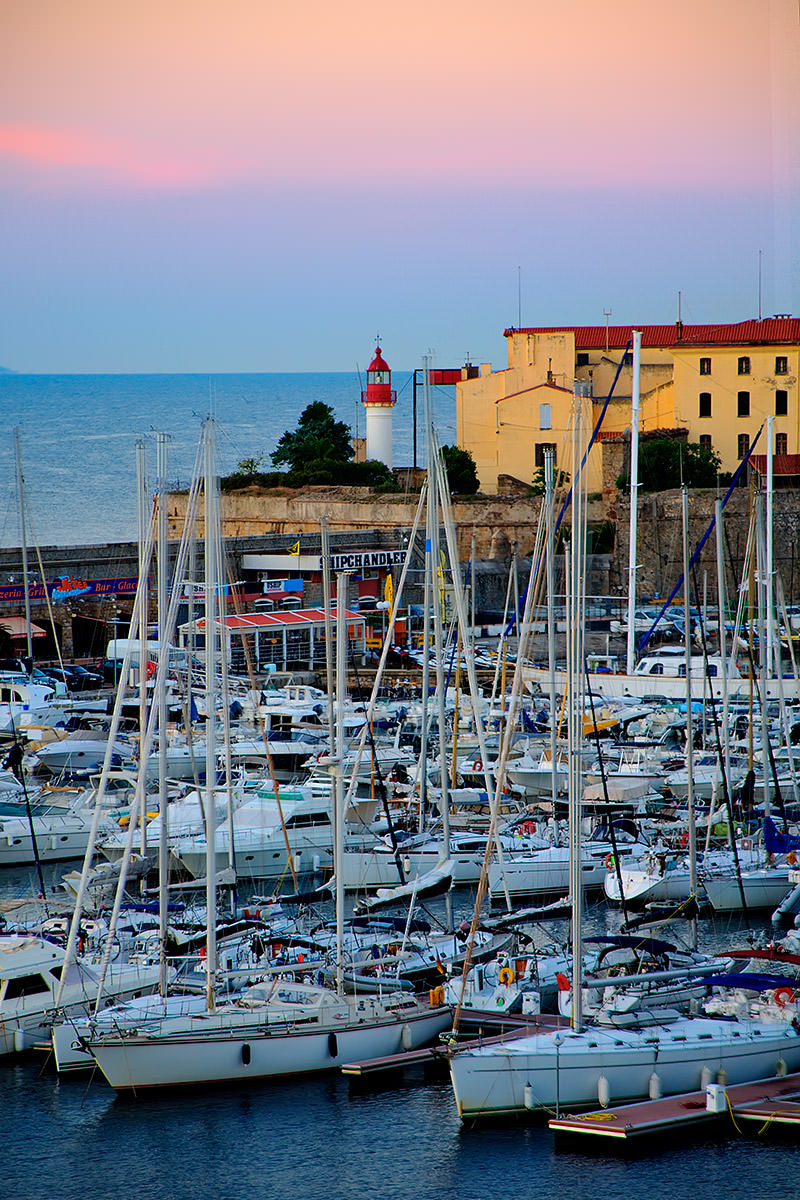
510,1025
765,1100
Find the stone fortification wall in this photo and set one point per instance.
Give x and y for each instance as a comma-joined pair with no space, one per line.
659,545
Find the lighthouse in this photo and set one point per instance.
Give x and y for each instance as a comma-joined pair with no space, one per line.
379,399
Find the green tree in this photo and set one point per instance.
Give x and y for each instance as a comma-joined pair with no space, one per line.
462,477
319,438
664,464
249,466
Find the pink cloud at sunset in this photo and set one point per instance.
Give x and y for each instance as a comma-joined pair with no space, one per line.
625,93
56,150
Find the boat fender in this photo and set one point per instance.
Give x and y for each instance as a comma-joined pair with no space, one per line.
603,1092
654,1090
333,1045
506,976
784,995
407,1037
246,1054
437,996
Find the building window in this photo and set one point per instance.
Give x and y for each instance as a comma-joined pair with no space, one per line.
705,441
744,444
705,366
781,443
705,404
627,359
743,406
582,360
545,416
744,365
781,364
781,403
539,450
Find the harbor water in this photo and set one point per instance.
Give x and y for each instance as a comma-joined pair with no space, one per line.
72,1137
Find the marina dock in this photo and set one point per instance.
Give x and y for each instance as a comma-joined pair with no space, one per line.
765,1101
472,1025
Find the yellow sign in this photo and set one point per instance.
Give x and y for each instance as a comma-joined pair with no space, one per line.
295,549
388,591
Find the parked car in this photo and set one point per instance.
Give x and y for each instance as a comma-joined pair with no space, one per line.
85,680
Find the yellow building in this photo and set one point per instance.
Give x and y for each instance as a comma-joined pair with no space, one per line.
718,382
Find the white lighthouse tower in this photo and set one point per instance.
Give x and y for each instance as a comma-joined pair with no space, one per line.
379,399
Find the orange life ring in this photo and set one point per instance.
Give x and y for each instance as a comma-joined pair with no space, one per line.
609,862
506,976
477,765
563,982
784,995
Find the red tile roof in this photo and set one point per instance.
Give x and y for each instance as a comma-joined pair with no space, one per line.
771,330
295,616
782,464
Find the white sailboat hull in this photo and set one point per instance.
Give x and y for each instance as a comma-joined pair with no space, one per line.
243,1050
763,888
564,1069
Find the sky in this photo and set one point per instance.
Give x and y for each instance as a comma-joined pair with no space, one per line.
255,186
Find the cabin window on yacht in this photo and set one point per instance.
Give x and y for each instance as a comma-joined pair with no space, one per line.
25,985
705,404
705,366
781,443
744,444
657,669
781,402
781,364
743,404
303,820
744,365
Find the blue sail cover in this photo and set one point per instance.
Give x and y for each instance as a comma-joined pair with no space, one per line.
777,842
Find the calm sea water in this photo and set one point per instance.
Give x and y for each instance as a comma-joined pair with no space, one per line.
79,433
73,1138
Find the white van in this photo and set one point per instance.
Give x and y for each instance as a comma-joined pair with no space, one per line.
118,647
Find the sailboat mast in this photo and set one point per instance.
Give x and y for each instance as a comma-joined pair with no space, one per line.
437,586
163,656
338,794
23,543
210,568
551,625
143,522
576,560
687,615
634,489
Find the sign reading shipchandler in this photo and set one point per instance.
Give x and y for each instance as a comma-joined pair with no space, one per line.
359,560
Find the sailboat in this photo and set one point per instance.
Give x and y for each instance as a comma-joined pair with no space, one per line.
583,1064
276,1027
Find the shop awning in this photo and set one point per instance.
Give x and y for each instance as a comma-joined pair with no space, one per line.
17,628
